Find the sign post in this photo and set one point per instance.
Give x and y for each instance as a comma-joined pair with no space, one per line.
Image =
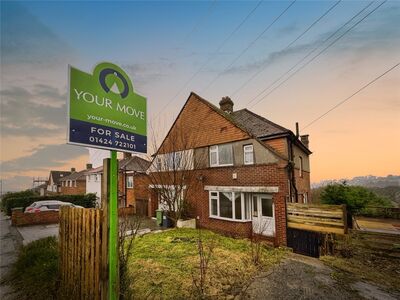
105,112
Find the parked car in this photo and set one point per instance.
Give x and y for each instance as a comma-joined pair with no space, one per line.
47,205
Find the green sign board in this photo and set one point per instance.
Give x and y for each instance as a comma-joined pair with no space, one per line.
104,111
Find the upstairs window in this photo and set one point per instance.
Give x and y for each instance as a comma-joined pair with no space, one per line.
129,182
248,154
221,155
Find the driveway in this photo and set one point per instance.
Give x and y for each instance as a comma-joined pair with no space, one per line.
301,277
35,232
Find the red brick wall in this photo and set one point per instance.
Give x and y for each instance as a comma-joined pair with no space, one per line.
303,184
19,218
258,175
80,189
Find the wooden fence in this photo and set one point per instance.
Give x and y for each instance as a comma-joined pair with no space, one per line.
83,254
319,218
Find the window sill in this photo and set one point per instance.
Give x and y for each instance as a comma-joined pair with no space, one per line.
216,166
228,219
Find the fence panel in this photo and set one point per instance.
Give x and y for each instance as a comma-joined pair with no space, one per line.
82,252
319,218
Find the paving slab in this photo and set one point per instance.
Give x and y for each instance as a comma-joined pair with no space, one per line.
37,232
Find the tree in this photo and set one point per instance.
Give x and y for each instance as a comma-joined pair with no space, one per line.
173,173
356,198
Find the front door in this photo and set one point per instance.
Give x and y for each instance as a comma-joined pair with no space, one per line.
263,214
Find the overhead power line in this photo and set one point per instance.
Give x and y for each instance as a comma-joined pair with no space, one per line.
319,53
311,52
210,57
249,46
352,95
201,20
262,68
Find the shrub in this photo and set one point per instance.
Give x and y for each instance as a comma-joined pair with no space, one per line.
9,195
35,273
88,200
356,198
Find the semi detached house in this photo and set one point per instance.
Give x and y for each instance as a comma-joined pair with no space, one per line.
242,167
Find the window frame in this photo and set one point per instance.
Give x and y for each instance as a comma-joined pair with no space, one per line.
243,200
129,184
215,149
246,151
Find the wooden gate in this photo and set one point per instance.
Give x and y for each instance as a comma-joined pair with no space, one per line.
142,207
307,225
304,242
83,254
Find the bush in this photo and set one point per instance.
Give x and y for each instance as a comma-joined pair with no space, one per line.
88,200
356,198
35,274
23,194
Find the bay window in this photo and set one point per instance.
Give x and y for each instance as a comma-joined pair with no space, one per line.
221,155
230,206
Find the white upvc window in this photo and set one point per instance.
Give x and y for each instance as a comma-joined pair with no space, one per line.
233,206
74,183
129,182
221,155
248,154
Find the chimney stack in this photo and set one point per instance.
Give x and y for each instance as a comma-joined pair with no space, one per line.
304,140
89,166
127,154
73,170
226,104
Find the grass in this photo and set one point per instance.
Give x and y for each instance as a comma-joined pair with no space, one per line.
35,273
368,257
163,265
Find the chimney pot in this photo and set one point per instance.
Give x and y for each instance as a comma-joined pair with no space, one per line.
226,104
89,166
304,140
73,170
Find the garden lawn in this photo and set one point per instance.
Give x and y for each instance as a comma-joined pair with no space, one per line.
163,265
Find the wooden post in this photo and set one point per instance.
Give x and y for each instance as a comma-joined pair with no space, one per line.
105,194
344,218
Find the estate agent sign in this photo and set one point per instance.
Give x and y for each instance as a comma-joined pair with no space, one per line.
104,111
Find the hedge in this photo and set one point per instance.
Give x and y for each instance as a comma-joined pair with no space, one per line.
88,200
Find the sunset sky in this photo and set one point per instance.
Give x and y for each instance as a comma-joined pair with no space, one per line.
216,49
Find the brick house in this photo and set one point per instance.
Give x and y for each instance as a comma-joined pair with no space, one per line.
245,168
75,183
132,183
54,184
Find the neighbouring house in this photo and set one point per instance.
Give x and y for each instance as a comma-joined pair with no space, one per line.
94,183
54,184
133,183
242,168
75,183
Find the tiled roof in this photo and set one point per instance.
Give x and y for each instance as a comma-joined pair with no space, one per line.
134,163
57,175
256,125
75,176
